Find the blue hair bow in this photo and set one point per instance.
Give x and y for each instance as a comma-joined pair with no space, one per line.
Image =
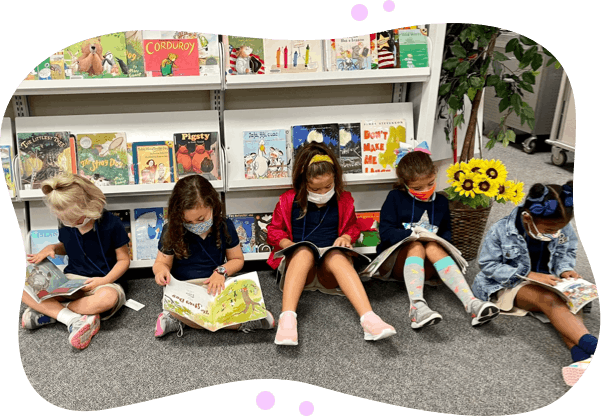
568,200
545,210
400,152
541,198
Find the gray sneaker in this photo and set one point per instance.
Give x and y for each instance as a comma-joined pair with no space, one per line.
166,324
421,315
32,319
481,312
265,323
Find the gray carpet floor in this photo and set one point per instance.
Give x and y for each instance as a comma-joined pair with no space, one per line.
518,359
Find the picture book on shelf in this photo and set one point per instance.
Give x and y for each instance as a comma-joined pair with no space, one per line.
327,134
266,154
6,157
132,166
246,55
240,301
154,162
379,139
293,56
125,216
38,239
148,225
412,47
369,226
197,153
44,281
171,57
577,293
261,223
353,53
244,224
102,158
386,49
134,45
350,147
51,68
373,48
43,156
100,57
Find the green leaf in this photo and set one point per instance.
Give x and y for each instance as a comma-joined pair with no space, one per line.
458,120
546,52
458,51
497,68
525,62
462,68
527,41
510,136
476,82
531,123
463,34
491,143
527,110
472,36
493,80
531,51
444,89
527,87
450,64
510,47
529,77
462,89
471,93
501,136
551,61
557,65
503,104
537,61
519,52
499,56
516,102
455,103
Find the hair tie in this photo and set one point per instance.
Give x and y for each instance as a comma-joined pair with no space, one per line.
321,158
539,199
545,210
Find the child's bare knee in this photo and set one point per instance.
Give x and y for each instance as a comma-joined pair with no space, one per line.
107,296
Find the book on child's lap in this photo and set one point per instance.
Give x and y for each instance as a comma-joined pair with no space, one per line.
241,301
44,281
320,252
577,293
421,235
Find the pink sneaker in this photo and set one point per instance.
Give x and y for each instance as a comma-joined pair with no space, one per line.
82,330
573,372
375,328
287,333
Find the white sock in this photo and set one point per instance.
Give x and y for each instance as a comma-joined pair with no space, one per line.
292,312
66,316
364,315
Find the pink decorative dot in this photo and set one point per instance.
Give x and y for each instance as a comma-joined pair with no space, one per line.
359,12
265,400
389,5
306,408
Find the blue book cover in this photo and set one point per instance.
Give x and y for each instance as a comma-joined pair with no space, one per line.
41,238
245,228
350,147
266,154
327,134
148,223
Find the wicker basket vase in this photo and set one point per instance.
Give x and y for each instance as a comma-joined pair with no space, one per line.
468,226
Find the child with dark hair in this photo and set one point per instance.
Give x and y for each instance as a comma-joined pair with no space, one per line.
536,240
411,207
198,245
320,211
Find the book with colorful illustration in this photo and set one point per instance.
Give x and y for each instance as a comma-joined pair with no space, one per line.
577,293
51,68
369,226
171,57
100,57
293,56
244,224
6,158
373,47
43,156
327,134
197,153
38,239
261,223
131,165
379,140
266,154
154,162
148,225
386,49
240,301
412,46
353,53
44,281
125,216
134,45
102,158
245,56
350,147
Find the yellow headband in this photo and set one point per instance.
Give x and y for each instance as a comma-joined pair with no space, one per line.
321,158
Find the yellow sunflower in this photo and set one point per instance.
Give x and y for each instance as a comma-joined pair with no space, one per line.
466,184
505,191
517,193
454,171
495,170
484,185
477,165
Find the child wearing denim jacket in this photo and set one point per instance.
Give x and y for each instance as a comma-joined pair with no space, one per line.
536,240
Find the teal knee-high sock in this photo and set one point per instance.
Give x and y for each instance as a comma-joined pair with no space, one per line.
414,278
452,277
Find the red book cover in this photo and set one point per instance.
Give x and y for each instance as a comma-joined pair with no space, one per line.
171,57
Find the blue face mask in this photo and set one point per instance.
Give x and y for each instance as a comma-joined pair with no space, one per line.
200,228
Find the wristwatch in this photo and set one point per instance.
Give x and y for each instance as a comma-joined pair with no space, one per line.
221,270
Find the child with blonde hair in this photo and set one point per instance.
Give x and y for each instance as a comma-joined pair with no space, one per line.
97,245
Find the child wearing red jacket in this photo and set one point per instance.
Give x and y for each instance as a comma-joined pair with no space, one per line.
318,210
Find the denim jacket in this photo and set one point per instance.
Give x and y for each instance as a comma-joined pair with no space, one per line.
504,256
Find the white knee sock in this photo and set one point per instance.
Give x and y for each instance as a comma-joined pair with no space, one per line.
66,316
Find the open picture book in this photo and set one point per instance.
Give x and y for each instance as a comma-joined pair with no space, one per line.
320,252
576,292
422,235
45,280
241,301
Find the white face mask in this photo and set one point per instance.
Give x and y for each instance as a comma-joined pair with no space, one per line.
80,226
320,198
538,235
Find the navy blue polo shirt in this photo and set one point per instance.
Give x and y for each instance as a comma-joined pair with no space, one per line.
538,250
204,255
319,225
93,254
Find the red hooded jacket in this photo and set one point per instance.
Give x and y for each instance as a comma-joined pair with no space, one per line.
281,223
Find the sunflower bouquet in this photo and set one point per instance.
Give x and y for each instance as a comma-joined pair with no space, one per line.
480,182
